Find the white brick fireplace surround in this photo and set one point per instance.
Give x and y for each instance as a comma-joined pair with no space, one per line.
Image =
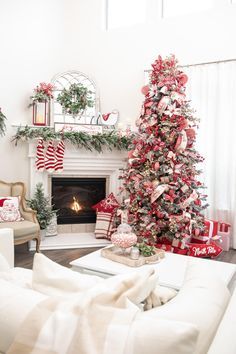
78,163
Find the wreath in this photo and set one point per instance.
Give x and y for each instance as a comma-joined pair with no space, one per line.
2,123
75,99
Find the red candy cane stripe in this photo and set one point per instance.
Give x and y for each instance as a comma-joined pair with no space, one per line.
60,151
40,155
50,158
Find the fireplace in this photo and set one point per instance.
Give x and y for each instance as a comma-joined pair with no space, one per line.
74,197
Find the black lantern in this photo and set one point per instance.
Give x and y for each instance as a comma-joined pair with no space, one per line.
41,112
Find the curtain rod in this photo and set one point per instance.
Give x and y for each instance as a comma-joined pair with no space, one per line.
207,63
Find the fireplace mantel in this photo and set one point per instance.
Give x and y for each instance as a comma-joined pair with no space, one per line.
80,163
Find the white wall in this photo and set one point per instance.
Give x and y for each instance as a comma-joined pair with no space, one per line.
41,38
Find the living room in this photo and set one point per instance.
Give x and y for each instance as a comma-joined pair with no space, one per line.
116,126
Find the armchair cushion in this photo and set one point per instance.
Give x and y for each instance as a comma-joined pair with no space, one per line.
25,230
21,228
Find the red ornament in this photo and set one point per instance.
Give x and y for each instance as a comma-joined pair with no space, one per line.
145,90
130,154
183,78
191,134
156,166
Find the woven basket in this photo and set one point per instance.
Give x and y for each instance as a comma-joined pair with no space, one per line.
115,254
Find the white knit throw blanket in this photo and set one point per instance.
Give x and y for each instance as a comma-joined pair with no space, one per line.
96,321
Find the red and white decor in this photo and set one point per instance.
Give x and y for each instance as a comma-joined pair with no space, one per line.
78,163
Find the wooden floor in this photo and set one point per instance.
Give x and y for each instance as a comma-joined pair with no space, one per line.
24,258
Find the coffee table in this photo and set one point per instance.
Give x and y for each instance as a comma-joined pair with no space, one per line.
170,270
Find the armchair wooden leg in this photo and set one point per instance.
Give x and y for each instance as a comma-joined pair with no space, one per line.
37,244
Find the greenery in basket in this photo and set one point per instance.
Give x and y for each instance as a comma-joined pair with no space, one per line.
2,123
42,206
145,249
75,99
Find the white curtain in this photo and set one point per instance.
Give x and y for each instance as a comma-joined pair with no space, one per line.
212,91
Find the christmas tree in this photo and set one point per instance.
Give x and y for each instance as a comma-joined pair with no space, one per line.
42,206
162,178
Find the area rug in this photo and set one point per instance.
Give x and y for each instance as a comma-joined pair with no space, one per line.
70,241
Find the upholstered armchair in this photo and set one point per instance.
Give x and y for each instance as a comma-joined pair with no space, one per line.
28,228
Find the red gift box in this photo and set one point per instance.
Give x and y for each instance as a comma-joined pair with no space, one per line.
200,239
224,227
210,230
180,251
178,243
165,247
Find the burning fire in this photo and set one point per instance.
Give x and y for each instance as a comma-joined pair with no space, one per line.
75,205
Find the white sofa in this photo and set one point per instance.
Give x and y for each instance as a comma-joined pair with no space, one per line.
199,319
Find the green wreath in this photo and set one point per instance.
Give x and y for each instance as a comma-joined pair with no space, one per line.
75,100
2,123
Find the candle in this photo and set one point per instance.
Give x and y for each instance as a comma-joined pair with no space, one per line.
39,118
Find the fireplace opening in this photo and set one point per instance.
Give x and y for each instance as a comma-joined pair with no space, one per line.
74,198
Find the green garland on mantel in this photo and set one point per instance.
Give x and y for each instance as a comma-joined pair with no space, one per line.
111,140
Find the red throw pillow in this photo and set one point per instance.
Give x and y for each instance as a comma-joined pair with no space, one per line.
104,225
107,205
200,250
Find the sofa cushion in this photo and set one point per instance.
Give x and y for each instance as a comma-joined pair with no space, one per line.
52,279
152,336
18,276
21,228
4,265
15,304
201,301
224,341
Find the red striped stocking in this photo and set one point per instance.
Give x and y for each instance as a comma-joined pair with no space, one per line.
40,155
60,151
50,157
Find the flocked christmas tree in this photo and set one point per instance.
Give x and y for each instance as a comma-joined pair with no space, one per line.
42,206
162,177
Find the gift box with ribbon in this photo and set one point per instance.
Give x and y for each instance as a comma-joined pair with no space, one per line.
224,236
210,230
224,227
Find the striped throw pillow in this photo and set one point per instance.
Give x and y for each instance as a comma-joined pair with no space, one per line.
104,225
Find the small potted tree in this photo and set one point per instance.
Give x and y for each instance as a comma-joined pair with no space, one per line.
43,207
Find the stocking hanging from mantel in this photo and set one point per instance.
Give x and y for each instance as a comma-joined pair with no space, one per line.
40,156
52,159
59,155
